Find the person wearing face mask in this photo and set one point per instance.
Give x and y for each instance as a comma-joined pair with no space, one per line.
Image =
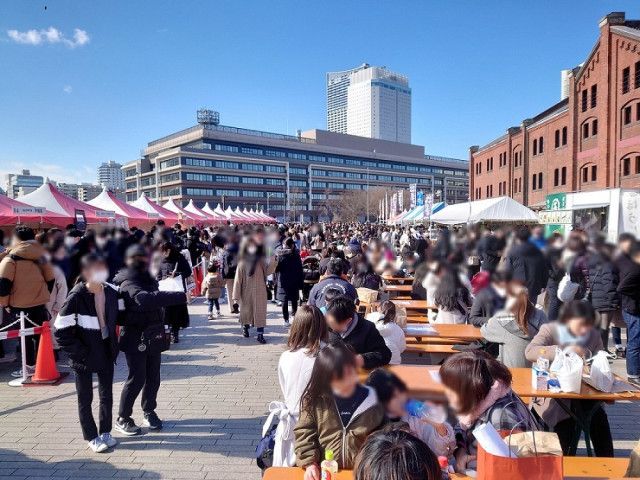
86,331
249,287
365,277
141,338
77,247
336,412
289,278
26,283
513,327
575,331
173,264
478,389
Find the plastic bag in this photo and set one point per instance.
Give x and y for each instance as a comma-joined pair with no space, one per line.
601,374
171,284
568,370
567,289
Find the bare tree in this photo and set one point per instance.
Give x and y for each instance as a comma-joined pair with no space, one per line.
351,205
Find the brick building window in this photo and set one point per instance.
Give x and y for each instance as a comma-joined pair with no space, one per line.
520,185
585,175
541,145
594,127
594,173
563,180
540,182
535,146
625,79
638,112
515,185
594,95
534,181
557,138
585,130
584,101
636,83
564,135
626,115
556,177
626,167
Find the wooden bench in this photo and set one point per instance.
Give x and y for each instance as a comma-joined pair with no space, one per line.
422,348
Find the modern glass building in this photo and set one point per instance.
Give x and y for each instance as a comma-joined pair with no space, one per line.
287,176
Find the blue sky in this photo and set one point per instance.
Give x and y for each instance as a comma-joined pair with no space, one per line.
112,75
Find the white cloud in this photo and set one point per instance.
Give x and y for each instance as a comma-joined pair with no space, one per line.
50,35
67,89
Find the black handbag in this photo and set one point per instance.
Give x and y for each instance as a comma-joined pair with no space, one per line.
264,449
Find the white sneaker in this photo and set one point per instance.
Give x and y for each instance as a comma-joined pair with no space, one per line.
18,373
108,440
218,314
97,445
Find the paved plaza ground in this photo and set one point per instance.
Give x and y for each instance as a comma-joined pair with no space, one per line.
215,390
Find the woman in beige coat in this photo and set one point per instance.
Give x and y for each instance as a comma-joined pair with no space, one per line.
250,287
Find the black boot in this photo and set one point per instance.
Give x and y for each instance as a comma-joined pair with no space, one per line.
245,331
261,339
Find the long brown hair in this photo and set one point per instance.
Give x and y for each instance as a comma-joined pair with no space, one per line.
471,376
523,309
331,363
308,330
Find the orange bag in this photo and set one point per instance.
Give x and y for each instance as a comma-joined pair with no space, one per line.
541,467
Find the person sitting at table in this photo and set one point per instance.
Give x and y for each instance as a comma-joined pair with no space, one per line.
384,318
365,277
307,336
392,394
490,300
335,278
478,388
574,331
396,454
336,412
451,297
513,327
350,327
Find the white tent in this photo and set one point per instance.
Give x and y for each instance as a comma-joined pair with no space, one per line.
500,209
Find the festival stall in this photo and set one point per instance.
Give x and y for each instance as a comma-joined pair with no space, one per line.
182,214
47,195
135,217
490,210
153,209
218,216
417,214
13,212
203,217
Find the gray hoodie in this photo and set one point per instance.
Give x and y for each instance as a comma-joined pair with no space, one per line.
503,329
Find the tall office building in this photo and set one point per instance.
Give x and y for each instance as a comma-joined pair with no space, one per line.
369,102
111,176
337,86
18,184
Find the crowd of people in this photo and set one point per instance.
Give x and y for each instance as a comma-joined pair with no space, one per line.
527,293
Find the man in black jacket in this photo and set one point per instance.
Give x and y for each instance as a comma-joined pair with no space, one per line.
489,300
141,338
526,263
362,335
629,290
334,279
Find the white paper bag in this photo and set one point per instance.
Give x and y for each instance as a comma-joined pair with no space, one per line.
601,375
567,289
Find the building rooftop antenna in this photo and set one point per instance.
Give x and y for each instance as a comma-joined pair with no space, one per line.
206,116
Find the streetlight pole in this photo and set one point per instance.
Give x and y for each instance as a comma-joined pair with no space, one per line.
367,221
269,195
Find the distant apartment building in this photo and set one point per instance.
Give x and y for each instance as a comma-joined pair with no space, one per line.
287,175
588,141
18,184
369,101
80,191
111,176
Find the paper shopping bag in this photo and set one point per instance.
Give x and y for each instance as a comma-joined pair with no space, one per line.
542,467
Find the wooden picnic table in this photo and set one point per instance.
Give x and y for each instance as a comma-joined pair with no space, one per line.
400,280
574,468
454,332
397,288
410,305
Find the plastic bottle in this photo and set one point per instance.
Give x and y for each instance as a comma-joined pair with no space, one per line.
433,413
542,362
444,467
328,467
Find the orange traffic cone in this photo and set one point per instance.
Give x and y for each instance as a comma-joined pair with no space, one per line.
46,370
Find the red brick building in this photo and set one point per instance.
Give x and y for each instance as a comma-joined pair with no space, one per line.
588,141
